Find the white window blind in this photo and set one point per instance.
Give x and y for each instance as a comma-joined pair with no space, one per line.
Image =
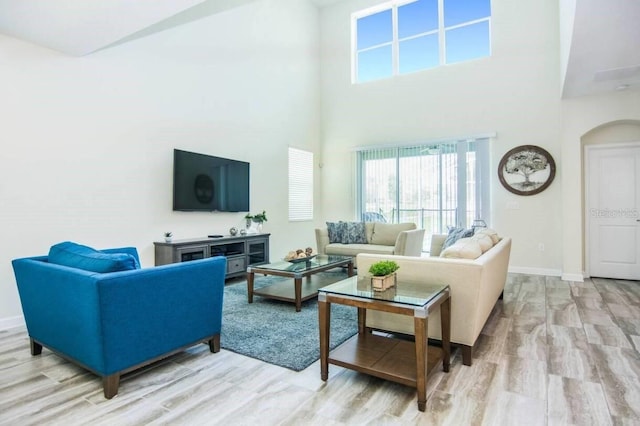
434,185
300,185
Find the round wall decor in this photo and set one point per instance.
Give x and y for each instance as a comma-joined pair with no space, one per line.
526,170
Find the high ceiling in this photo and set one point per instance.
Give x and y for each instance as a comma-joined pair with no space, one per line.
604,50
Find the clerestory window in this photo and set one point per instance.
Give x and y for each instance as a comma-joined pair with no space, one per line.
400,37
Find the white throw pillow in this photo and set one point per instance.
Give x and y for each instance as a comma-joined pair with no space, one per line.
491,233
464,248
484,240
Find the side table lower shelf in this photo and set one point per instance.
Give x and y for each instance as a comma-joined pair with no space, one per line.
384,357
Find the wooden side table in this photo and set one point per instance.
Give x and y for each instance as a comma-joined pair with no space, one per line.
388,358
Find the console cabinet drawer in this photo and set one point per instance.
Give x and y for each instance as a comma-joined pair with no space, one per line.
236,264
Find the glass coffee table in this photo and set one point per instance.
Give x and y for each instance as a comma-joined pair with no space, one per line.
302,289
389,358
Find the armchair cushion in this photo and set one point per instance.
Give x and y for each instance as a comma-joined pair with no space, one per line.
86,258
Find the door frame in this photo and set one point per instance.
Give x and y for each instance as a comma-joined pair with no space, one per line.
588,152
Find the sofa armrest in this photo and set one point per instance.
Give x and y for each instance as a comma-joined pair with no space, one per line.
322,239
409,243
437,241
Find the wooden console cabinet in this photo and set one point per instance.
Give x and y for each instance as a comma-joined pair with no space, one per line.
241,251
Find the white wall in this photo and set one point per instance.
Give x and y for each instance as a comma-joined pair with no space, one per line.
515,92
87,143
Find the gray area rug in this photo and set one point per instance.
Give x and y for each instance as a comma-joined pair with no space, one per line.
272,331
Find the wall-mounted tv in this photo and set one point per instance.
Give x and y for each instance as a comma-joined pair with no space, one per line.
207,183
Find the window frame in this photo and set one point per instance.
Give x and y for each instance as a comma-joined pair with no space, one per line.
441,31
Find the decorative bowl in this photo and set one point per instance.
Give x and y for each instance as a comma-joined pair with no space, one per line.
300,260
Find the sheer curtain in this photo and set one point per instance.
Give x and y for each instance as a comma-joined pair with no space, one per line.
434,185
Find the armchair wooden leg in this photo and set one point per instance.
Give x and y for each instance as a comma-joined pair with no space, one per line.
110,385
36,348
214,344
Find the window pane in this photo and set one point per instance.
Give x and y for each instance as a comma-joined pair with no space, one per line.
374,64
374,29
468,42
459,11
419,53
418,17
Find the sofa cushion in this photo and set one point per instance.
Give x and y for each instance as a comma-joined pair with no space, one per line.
386,234
89,259
455,233
464,248
355,233
355,249
336,231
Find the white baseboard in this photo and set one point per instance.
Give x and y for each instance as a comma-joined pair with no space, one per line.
535,271
11,322
579,278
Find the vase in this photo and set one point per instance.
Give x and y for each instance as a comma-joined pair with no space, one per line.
383,283
168,239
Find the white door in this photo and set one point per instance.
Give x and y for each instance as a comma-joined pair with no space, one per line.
613,211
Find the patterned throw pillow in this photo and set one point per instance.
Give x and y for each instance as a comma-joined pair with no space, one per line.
336,231
455,233
355,233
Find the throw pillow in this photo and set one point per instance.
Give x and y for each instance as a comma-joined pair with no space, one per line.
491,233
89,259
336,231
386,234
464,248
484,240
355,233
455,233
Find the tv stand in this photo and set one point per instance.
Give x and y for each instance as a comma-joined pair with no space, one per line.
241,251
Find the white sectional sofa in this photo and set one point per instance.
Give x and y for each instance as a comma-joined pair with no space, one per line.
475,284
381,238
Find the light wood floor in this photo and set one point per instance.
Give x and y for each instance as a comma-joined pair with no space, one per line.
553,353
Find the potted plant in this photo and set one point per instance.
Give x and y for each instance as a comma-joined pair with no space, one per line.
258,219
168,236
383,274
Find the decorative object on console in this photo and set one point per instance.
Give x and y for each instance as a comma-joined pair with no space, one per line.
233,231
258,220
384,274
526,170
168,236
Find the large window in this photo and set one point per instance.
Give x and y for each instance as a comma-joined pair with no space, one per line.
399,37
433,185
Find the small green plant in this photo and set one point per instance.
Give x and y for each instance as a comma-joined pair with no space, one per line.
168,234
260,217
383,267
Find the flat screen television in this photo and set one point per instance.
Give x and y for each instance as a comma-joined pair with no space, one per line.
207,183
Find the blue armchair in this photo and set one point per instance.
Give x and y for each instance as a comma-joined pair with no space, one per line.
112,323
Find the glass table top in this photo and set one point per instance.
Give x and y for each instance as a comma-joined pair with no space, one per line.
404,292
316,262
